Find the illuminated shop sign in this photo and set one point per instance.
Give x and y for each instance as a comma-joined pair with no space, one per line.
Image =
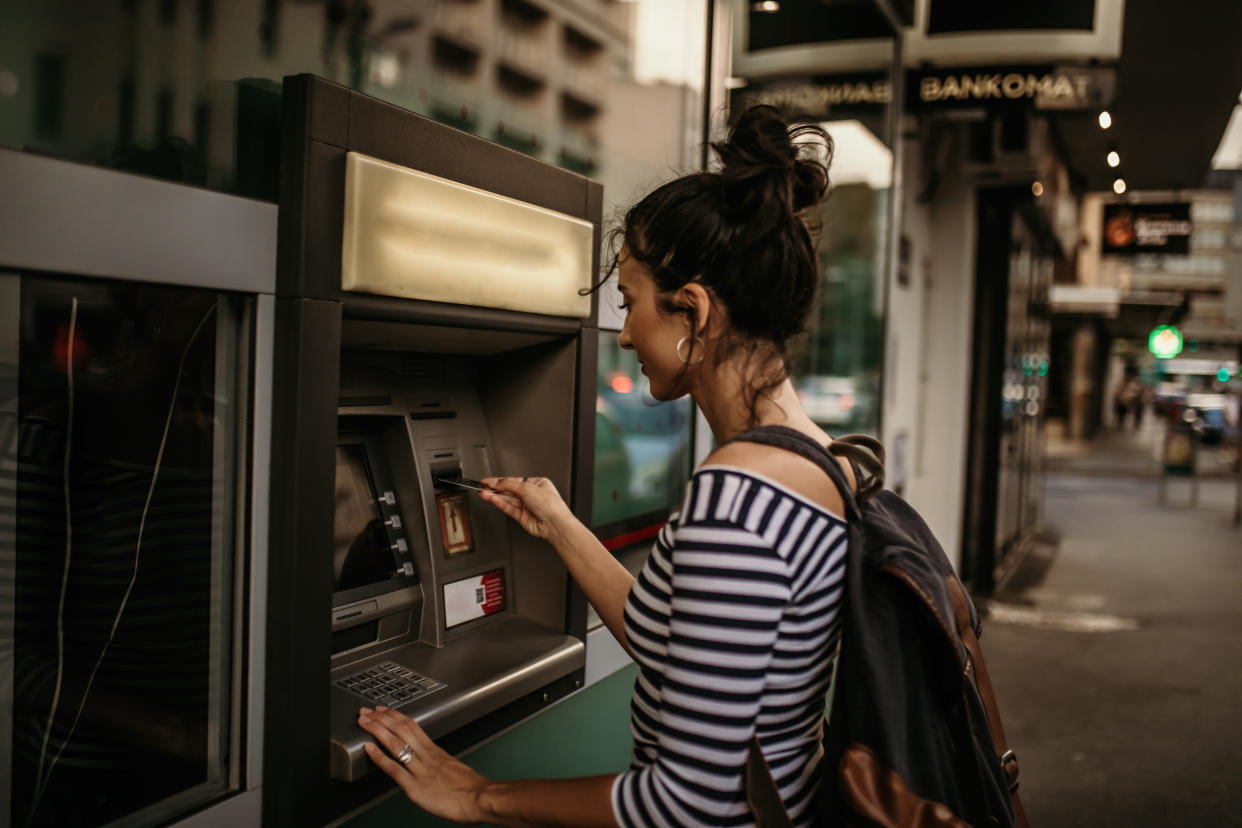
1040,87
1147,228
1043,87
820,96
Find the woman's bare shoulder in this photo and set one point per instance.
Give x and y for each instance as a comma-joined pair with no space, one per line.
793,471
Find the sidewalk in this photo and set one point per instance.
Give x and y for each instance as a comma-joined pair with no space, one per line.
1128,453
1117,654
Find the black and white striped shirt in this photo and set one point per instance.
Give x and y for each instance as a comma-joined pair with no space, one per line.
732,621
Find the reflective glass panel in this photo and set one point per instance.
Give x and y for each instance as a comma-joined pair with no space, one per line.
121,426
833,66
837,374
642,448
190,91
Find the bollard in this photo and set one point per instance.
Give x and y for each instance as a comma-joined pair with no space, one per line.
1237,485
1179,458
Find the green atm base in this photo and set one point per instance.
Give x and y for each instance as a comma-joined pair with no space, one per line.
588,734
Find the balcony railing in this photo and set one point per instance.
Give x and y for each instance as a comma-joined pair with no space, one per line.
462,20
525,53
580,151
588,83
519,129
454,103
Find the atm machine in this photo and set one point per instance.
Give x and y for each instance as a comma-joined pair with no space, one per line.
433,324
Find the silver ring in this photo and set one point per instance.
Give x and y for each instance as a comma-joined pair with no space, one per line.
405,755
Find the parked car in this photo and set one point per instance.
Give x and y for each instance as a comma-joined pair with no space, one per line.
834,401
1167,396
1210,423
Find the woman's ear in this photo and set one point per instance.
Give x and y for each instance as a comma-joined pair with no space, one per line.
698,301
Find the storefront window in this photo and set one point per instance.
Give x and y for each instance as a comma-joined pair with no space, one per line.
120,432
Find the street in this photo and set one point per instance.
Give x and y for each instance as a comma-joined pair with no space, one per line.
1117,653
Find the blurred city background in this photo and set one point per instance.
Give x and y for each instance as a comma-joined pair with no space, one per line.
1031,288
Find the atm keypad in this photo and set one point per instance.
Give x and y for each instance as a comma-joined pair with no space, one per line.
389,684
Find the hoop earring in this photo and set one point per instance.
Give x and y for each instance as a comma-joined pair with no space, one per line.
684,359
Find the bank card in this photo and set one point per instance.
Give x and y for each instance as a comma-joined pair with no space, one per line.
465,483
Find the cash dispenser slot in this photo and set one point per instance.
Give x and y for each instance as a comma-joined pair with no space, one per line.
480,621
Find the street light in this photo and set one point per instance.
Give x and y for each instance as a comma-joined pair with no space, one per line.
1114,159
1119,186
1106,120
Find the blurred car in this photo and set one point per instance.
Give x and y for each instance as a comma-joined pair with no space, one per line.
834,401
1210,423
642,456
1167,396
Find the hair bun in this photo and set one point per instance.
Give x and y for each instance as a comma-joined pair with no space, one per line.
772,170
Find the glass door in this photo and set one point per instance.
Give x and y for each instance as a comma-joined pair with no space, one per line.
123,410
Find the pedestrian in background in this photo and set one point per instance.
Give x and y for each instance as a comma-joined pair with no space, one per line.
1128,401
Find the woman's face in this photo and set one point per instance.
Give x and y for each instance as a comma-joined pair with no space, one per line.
652,332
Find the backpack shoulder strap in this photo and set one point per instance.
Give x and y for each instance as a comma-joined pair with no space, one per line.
795,441
867,452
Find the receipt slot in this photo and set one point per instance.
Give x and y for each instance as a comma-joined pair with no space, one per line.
431,328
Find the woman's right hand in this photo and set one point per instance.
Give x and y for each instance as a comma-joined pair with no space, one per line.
533,502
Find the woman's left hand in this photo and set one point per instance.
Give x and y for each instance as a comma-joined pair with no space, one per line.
431,778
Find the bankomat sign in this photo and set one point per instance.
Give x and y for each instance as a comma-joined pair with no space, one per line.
1043,87
1147,228
1040,87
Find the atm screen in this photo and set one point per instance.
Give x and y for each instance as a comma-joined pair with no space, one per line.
363,555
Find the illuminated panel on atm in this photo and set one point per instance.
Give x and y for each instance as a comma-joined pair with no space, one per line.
414,235
472,598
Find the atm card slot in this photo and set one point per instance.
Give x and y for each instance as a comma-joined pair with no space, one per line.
443,476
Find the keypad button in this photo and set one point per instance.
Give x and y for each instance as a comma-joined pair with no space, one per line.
389,683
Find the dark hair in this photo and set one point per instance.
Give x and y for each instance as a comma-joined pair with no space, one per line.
741,233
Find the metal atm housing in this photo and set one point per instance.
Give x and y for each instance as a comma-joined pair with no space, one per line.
389,585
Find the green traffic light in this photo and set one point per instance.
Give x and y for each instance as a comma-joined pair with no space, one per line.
1223,375
1165,342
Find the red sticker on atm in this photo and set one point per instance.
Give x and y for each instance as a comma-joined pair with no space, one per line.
454,523
472,598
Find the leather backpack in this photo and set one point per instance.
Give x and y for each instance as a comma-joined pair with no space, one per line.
914,736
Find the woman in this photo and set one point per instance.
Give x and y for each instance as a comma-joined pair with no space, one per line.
732,618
